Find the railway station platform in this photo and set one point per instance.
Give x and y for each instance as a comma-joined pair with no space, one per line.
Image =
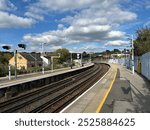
118,91
130,93
35,80
4,82
93,99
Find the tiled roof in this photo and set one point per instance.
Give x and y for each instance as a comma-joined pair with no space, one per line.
31,57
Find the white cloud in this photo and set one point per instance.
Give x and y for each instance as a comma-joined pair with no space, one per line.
75,30
34,15
7,5
61,26
117,43
47,48
101,15
11,21
63,5
95,21
48,38
116,34
87,47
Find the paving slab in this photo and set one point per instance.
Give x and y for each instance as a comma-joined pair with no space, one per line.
130,93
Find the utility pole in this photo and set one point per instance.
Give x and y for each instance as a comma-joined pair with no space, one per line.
9,67
71,59
42,54
15,59
132,54
81,59
130,37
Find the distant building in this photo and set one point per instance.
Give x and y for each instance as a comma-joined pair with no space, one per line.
119,55
26,60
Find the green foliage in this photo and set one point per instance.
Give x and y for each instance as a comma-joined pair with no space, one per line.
4,57
116,51
64,55
4,60
33,69
108,52
3,70
142,43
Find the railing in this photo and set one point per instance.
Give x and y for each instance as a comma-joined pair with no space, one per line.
141,64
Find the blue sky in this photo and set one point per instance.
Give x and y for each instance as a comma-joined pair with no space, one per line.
78,25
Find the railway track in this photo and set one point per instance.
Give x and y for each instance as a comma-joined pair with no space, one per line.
55,96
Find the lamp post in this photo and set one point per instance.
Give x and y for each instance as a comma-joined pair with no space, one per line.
42,54
81,59
9,67
126,58
15,61
132,52
15,58
71,59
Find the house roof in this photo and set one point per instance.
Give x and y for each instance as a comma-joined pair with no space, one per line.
31,57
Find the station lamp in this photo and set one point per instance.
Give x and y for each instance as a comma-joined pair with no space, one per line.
6,47
22,46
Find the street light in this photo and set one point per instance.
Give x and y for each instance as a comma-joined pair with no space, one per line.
71,59
132,54
9,67
22,46
6,47
15,57
132,49
81,59
42,54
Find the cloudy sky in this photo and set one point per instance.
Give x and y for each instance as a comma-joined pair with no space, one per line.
78,25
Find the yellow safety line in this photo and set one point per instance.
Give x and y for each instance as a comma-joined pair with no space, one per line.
106,95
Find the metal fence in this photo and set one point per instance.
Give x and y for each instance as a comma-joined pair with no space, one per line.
145,65
141,64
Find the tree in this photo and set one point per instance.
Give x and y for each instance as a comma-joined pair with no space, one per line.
107,52
116,51
64,55
142,42
85,55
4,57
